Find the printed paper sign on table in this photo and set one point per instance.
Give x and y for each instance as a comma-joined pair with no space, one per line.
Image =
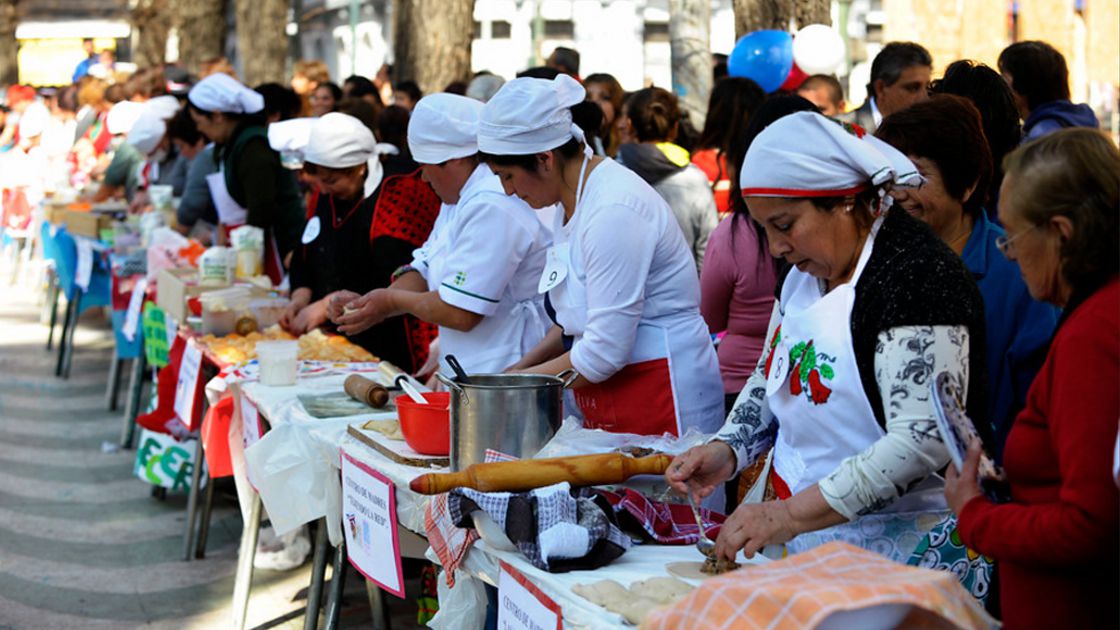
369,521
522,606
132,316
187,387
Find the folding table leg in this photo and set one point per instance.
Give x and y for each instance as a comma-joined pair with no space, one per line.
318,571
204,525
132,404
114,385
52,299
71,305
192,500
377,608
69,353
244,580
338,583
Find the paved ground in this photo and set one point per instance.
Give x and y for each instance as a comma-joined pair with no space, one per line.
83,544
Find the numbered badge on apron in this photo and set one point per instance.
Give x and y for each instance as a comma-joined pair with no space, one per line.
555,268
310,231
779,368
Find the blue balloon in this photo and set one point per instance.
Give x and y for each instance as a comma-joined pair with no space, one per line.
765,57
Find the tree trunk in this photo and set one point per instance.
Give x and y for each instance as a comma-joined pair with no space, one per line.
806,12
262,44
432,42
782,15
201,25
689,25
9,65
151,20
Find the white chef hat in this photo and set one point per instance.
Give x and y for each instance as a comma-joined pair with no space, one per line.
338,141
529,116
151,125
341,141
808,155
122,116
33,122
222,93
443,127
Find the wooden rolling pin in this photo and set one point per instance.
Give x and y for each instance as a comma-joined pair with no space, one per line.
366,391
522,475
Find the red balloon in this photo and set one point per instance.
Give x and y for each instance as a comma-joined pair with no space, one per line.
796,77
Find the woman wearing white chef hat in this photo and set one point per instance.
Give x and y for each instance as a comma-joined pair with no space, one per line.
360,227
476,276
620,277
251,187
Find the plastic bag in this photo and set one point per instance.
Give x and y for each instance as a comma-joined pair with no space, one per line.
573,439
463,606
287,464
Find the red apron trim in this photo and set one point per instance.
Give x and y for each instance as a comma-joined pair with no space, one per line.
637,399
794,192
781,488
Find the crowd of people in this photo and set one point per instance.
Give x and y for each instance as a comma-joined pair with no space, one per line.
786,276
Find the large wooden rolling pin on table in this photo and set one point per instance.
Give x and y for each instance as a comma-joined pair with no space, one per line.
522,475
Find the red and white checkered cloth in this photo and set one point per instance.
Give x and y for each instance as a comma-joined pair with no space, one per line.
666,523
801,591
451,543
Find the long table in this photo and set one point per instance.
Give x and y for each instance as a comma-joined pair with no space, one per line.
311,447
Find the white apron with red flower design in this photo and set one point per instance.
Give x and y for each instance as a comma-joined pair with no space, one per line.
824,417
813,387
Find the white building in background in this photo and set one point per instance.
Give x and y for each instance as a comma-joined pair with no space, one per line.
626,38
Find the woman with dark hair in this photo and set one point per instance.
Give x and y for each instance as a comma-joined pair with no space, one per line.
621,282
363,221
324,99
655,157
730,106
251,186
998,116
1056,541
873,306
943,137
605,91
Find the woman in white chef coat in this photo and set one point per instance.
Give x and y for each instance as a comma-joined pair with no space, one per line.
620,277
476,275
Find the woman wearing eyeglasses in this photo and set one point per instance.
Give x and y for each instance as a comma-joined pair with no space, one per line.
944,138
1057,542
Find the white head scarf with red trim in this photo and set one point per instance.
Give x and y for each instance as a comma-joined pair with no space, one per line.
808,155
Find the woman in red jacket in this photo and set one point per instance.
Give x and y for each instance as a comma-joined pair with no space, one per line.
1056,541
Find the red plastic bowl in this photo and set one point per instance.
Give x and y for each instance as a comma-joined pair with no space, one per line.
427,428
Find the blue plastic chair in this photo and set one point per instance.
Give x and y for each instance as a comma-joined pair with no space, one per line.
77,301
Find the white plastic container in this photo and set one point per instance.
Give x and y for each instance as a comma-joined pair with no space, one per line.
268,311
279,362
222,308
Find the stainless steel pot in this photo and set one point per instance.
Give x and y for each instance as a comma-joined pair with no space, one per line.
512,413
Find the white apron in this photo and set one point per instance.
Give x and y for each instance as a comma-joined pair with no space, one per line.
499,340
233,215
670,382
824,416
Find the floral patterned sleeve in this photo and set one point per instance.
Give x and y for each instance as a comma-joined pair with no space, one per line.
750,428
906,360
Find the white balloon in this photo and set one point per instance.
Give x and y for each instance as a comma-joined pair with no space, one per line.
818,49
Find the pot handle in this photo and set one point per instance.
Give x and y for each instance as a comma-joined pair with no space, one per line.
453,385
569,376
